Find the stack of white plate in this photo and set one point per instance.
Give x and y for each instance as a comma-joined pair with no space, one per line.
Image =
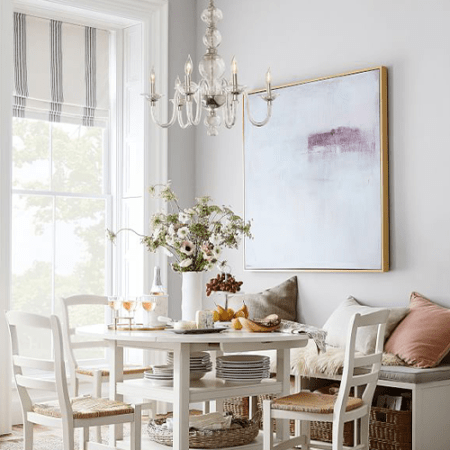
200,364
161,375
243,368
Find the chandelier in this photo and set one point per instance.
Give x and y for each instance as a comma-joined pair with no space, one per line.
214,94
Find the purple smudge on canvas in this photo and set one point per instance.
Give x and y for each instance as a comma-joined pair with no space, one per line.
344,139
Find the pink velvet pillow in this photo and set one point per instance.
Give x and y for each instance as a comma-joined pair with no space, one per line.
422,338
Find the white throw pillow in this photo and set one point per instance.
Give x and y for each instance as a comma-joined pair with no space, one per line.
337,325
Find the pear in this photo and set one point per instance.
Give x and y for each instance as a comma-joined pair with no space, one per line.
236,325
244,310
223,314
230,313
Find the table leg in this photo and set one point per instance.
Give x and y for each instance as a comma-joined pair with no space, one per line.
216,405
115,355
181,359
283,375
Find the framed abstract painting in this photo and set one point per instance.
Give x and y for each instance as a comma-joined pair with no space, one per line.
316,176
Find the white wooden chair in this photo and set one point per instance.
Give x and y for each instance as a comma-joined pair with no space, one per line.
82,412
310,406
96,375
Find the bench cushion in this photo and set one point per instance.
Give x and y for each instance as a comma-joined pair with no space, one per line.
415,375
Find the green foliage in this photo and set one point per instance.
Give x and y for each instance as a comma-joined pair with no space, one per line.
194,236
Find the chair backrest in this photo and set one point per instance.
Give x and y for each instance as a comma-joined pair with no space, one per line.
71,345
365,380
19,323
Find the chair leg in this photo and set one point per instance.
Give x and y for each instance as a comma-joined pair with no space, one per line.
338,435
135,429
97,381
364,432
27,435
68,436
85,440
268,426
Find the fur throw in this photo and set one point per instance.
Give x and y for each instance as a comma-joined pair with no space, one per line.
308,362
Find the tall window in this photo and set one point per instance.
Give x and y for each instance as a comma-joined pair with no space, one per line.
60,212
61,183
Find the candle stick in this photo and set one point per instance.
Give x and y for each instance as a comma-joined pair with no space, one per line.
188,72
234,73
268,81
152,81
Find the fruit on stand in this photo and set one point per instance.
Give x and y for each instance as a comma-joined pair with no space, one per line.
223,282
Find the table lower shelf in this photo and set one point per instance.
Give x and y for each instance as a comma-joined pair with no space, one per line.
208,388
147,444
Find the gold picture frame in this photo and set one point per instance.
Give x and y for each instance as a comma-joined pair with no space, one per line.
341,124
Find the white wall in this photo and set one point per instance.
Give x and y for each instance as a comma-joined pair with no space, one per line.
306,39
181,170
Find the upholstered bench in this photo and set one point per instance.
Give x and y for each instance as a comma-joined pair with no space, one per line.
430,401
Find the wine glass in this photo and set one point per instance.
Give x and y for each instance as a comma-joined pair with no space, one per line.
149,303
129,304
114,302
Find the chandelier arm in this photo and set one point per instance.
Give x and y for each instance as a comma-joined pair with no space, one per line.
194,120
198,108
181,122
173,118
268,114
229,113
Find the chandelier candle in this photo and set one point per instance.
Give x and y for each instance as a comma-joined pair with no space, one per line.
214,93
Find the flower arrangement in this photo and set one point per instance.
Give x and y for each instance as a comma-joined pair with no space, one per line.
195,236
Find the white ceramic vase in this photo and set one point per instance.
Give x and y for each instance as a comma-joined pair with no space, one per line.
191,294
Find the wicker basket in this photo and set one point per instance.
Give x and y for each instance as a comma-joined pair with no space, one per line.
389,429
238,406
241,432
323,431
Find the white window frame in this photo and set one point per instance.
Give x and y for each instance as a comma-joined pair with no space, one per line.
108,14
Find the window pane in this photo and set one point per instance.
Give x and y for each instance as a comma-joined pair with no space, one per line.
77,158
80,242
31,154
32,265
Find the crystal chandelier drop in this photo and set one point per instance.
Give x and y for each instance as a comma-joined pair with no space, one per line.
215,94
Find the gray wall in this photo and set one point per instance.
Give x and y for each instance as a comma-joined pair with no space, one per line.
303,39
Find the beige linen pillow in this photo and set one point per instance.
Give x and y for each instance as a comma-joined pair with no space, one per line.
337,325
423,338
281,300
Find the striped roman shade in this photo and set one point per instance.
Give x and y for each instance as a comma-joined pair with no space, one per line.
61,71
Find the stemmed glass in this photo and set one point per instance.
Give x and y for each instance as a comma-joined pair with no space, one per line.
148,303
129,304
115,302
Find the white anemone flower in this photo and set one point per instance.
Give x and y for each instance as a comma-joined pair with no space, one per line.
183,217
187,247
171,230
183,232
215,239
217,251
186,262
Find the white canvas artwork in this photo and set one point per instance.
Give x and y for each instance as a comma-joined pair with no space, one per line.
313,183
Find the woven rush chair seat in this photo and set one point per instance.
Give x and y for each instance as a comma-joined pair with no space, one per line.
129,370
85,408
313,403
